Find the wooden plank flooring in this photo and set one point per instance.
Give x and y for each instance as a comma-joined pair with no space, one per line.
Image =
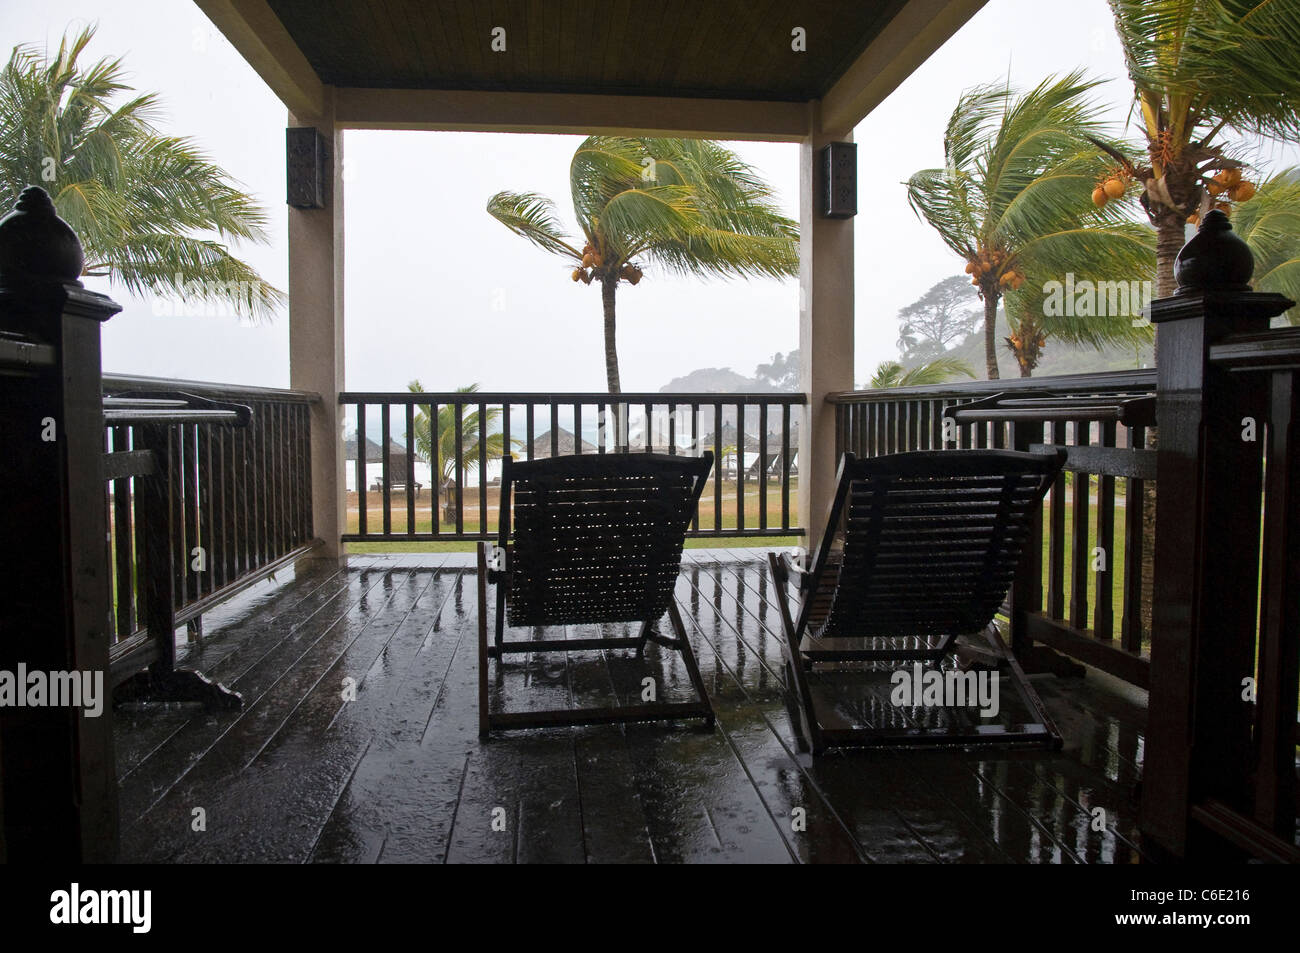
358,743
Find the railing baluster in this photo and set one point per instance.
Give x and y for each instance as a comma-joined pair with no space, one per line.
438,499
123,539
740,467
244,491
505,428
695,449
1081,562
785,466
1134,543
458,423
410,469
266,486
577,428
717,468
528,412
277,476
225,537
186,522
762,466
206,578
555,429
1103,615
362,455
385,473
1056,537
482,469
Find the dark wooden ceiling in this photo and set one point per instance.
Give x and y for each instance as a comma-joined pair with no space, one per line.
732,49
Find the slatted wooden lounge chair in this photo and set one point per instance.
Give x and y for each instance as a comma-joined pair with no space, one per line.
920,549
590,539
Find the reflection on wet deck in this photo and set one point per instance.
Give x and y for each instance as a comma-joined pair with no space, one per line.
398,774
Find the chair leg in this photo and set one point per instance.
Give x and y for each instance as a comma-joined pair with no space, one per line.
483,720
688,657
808,724
1023,686
495,651
644,636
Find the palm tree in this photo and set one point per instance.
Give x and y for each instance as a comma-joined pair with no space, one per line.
138,200
1011,201
1200,67
1270,224
688,205
938,371
442,457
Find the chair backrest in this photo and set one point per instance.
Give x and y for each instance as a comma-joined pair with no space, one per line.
596,537
931,540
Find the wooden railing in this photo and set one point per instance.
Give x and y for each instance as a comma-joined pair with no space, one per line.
221,499
1220,780
411,492
1267,365
1081,590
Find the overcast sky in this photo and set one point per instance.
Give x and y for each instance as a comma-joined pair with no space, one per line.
438,290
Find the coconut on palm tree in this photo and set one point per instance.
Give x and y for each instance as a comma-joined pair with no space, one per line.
689,206
1011,201
1203,70
939,371
1269,222
438,444
151,211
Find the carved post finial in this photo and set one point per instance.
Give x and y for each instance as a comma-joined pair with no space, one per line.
37,245
1215,259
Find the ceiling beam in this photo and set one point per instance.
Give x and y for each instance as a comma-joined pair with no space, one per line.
261,39
499,111
905,43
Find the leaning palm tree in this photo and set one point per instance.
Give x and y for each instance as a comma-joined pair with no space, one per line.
1011,201
439,448
151,211
690,206
1202,69
939,371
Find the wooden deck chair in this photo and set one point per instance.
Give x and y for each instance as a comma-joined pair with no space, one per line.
593,538
920,549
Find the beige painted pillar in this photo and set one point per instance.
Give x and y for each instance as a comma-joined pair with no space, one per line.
825,328
316,332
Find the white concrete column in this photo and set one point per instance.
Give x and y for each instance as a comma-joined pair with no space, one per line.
316,332
825,328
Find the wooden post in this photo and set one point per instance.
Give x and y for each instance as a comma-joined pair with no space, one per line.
1207,546
825,327
56,761
316,327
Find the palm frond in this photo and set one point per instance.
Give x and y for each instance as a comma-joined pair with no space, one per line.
531,216
938,371
144,205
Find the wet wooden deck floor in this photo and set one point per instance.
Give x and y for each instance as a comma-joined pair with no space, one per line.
399,775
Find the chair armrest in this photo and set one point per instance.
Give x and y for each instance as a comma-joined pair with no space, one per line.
796,563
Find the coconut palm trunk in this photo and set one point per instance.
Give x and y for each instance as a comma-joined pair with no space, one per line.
991,334
608,287
1169,241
